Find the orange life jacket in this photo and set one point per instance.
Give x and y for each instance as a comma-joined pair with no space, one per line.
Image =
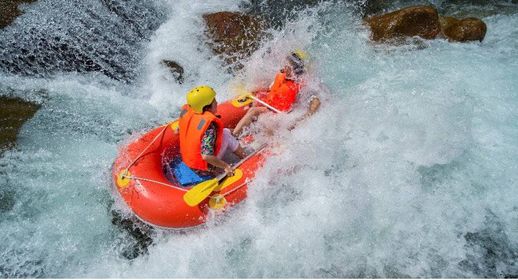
192,127
283,93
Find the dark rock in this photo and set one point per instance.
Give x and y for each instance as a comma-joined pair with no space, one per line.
234,36
14,112
80,36
9,11
490,253
462,30
175,69
422,21
7,199
137,230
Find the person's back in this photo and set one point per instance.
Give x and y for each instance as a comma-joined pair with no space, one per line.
203,138
283,92
192,128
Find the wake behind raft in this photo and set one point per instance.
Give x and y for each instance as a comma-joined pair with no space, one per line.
145,181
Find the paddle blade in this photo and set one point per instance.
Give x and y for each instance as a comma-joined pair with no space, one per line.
199,192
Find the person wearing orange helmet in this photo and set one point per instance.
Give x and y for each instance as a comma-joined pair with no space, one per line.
283,92
203,138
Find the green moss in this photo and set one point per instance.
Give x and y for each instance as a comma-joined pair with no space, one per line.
9,11
14,112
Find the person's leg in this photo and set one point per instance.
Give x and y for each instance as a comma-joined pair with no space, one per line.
230,143
248,118
240,152
224,144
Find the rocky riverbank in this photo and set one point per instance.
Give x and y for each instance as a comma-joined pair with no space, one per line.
9,10
232,36
424,22
14,112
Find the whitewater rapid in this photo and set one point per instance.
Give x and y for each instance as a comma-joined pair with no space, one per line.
409,169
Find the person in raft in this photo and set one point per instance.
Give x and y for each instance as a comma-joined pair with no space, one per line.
203,139
283,92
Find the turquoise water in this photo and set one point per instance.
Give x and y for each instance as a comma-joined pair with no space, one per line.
408,170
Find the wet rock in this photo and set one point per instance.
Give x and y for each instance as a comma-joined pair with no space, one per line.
14,112
80,37
9,11
234,36
139,232
175,69
462,30
422,21
489,251
7,199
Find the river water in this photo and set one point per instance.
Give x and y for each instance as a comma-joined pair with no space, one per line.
410,168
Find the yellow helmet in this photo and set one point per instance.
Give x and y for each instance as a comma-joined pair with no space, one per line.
200,97
304,56
298,59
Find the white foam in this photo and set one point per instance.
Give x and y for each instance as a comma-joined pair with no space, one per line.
411,150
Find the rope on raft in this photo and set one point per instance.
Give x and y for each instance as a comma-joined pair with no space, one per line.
124,175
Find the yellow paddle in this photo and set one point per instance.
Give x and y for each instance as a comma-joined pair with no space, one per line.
202,190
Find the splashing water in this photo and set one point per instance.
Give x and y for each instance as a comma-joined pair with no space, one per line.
408,170
83,36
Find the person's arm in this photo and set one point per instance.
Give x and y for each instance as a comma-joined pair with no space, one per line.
213,160
314,105
208,144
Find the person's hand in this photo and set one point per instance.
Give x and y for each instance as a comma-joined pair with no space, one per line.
229,170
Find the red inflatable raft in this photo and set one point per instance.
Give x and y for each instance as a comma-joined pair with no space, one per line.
142,181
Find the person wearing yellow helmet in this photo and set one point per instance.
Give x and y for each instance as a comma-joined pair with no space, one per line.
199,97
297,61
283,92
203,138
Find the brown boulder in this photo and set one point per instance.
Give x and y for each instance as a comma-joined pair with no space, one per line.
422,21
175,69
234,36
9,11
462,30
14,112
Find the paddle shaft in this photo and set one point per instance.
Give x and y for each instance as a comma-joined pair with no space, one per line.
264,103
223,175
202,190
